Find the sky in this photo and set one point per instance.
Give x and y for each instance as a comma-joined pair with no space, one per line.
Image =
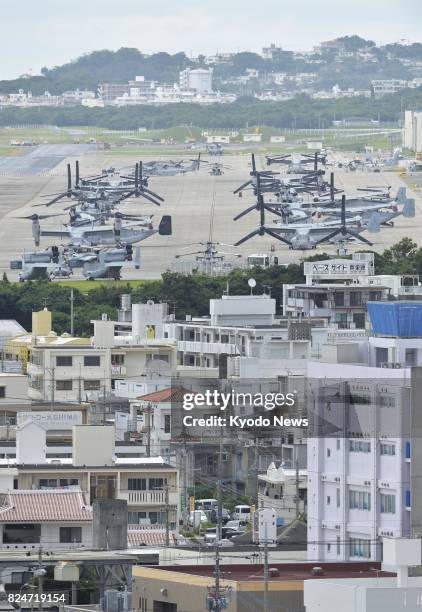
37,33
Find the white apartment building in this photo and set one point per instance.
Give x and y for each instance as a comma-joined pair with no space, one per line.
412,130
381,87
197,79
359,476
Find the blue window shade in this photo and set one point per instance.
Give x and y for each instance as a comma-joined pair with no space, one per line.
407,450
408,504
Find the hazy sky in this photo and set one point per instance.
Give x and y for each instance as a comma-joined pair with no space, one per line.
36,33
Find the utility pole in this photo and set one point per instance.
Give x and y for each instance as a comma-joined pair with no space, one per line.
148,413
71,313
297,484
167,516
266,571
39,573
53,383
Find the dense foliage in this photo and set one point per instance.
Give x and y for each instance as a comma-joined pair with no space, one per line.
184,294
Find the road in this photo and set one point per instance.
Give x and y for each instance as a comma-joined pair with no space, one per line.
202,208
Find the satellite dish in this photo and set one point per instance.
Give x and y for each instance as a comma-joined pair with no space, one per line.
252,283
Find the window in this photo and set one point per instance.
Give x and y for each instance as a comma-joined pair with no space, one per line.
328,452
338,498
360,548
328,547
360,399
2,392
91,385
359,446
137,484
355,298
359,320
388,503
70,534
388,449
387,401
339,298
21,533
157,483
69,482
64,361
328,500
359,500
92,361
117,359
167,423
64,385
134,518
338,544
48,483
338,444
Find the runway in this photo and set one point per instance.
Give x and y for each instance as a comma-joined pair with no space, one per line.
202,208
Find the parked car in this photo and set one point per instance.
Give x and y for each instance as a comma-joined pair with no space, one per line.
211,534
237,525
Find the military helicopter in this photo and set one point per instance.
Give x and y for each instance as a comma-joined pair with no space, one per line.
209,260
217,169
215,148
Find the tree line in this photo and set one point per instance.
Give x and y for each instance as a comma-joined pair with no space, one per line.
184,294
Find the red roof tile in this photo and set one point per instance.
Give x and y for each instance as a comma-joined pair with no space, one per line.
172,395
23,506
148,537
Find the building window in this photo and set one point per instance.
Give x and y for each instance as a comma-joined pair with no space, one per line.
48,483
70,534
328,500
157,483
359,500
91,385
135,518
359,446
338,444
387,401
339,298
92,361
64,385
360,399
338,498
64,361
355,298
328,452
117,360
137,484
21,533
167,423
388,503
2,392
338,544
388,449
360,548
359,320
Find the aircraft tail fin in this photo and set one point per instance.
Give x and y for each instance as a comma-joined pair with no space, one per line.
374,224
401,195
165,227
409,208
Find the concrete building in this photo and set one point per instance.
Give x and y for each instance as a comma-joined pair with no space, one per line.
381,87
148,485
381,592
197,79
412,130
242,586
280,487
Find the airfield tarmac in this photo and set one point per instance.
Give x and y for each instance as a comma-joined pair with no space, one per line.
202,207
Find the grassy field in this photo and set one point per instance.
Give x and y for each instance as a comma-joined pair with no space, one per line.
84,286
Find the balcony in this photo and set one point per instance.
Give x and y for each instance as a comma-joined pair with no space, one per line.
192,346
148,498
118,370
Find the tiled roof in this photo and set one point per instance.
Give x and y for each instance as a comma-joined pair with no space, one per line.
148,537
44,506
170,395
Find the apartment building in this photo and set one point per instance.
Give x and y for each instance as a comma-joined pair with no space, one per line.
361,478
148,485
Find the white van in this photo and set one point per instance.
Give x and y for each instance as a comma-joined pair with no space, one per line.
241,513
206,504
